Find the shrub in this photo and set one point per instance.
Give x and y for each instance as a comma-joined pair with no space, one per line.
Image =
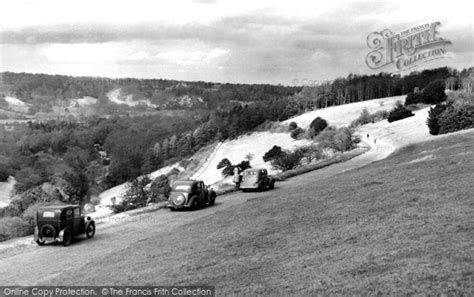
434,93
287,160
413,98
342,139
136,196
454,118
432,120
228,168
292,126
318,125
95,200
160,189
398,113
11,227
273,153
366,117
295,134
29,215
311,152
4,173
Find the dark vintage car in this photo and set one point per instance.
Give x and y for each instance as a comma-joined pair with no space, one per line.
256,179
190,194
62,223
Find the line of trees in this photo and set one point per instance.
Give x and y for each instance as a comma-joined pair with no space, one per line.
355,88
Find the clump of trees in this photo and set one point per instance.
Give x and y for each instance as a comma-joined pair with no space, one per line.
399,112
366,117
142,191
433,93
228,168
455,114
316,126
337,140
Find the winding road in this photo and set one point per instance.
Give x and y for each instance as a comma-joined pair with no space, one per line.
22,262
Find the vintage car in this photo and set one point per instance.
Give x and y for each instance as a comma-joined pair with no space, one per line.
256,179
191,194
62,223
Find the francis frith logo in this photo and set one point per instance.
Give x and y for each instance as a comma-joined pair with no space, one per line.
406,49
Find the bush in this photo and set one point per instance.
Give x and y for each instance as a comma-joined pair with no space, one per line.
273,153
413,98
432,120
11,227
137,195
160,189
454,115
366,117
434,93
29,215
456,118
292,126
311,152
398,113
228,168
95,200
341,140
295,134
318,125
4,173
287,160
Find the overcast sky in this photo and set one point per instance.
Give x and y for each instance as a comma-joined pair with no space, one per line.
227,41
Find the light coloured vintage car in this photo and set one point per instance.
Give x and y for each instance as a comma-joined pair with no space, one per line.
256,179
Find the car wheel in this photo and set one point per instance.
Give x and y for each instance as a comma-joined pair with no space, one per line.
272,185
195,203
213,199
47,231
67,236
90,230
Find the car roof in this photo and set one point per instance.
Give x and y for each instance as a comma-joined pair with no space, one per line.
58,207
186,181
254,169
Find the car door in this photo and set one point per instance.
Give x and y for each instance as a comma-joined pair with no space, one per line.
201,193
264,177
77,220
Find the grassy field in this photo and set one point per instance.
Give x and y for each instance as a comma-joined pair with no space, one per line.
403,225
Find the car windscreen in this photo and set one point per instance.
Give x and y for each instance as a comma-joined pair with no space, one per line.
250,173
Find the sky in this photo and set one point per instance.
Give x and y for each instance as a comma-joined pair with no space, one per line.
278,42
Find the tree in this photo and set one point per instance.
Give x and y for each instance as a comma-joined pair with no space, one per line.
287,160
160,189
273,153
249,157
432,120
292,126
434,93
136,196
316,126
295,134
399,112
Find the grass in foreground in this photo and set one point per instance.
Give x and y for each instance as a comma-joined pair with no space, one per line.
400,226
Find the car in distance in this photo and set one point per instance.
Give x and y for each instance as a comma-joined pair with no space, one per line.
256,179
191,194
61,223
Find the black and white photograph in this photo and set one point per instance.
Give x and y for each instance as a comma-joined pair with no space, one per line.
236,148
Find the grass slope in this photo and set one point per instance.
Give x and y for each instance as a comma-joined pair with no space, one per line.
402,225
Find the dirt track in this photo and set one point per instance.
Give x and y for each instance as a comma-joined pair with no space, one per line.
30,264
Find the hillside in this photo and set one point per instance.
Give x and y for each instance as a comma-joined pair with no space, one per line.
383,228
